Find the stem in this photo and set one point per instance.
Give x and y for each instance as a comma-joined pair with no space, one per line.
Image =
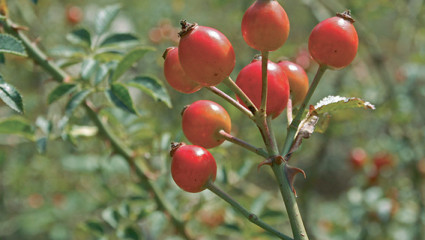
61,76
35,53
243,144
250,216
231,101
264,83
293,127
235,88
128,155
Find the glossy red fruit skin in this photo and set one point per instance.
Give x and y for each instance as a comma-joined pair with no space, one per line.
249,80
206,55
265,25
298,81
333,42
202,120
192,167
175,75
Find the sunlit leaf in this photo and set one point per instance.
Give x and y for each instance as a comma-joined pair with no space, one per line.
101,72
153,87
111,216
128,60
11,96
121,97
75,101
60,91
67,52
17,126
335,103
80,37
10,44
105,17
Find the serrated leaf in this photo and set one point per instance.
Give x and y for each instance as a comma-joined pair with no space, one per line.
87,68
75,101
153,87
10,96
121,97
17,126
119,39
10,44
105,17
79,37
128,60
335,103
60,91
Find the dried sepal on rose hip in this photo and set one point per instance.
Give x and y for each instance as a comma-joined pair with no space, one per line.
174,73
250,81
334,41
206,55
202,121
298,81
192,167
265,25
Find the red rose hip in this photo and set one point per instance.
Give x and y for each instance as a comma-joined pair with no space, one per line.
174,73
265,25
249,80
205,54
192,167
202,121
298,81
334,41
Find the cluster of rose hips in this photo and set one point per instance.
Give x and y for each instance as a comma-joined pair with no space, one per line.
205,57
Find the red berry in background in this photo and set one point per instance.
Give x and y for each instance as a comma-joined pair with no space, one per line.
74,15
249,80
382,159
205,54
174,73
202,120
298,81
265,25
333,42
192,167
358,158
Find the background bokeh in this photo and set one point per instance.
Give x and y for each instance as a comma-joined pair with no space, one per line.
78,189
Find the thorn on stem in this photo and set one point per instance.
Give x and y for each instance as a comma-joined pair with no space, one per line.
290,173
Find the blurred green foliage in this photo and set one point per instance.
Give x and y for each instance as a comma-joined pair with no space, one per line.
78,188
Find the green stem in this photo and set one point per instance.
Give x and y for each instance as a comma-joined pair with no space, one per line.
231,101
250,216
243,144
293,127
35,53
128,155
61,76
235,88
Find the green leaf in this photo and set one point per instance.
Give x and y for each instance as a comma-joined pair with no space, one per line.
17,126
336,103
119,39
79,37
153,87
101,72
41,145
128,233
128,60
10,44
60,91
105,17
2,59
75,101
121,97
67,52
111,216
11,96
87,68
95,226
